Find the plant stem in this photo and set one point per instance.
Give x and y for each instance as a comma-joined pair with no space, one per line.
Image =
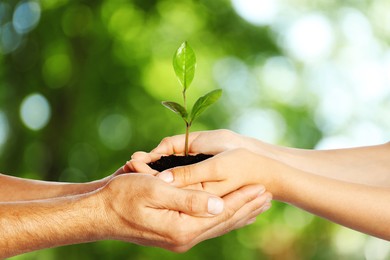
184,99
188,125
186,142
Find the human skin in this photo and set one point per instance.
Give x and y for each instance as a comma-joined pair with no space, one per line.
131,208
347,186
334,163
18,189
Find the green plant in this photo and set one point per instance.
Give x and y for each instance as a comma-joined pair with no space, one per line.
184,63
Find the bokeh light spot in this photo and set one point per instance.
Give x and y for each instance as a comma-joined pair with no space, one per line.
52,4
279,79
126,22
347,242
258,12
267,125
35,111
26,16
9,39
234,77
115,131
310,38
297,218
57,70
376,249
160,82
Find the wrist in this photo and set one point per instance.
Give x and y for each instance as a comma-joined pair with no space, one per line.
101,219
286,155
112,226
269,172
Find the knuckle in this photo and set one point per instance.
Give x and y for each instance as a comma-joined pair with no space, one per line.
186,175
192,203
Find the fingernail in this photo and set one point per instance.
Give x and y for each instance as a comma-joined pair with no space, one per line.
166,176
268,200
266,207
215,206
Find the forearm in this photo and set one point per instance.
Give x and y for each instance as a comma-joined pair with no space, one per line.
360,207
18,189
365,165
29,226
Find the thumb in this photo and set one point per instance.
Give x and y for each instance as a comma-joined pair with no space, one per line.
194,203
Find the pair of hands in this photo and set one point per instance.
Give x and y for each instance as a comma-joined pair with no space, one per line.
164,214
235,163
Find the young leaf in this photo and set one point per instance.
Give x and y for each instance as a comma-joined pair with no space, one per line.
184,63
177,108
204,102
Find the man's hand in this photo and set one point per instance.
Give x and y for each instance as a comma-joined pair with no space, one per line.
143,209
136,208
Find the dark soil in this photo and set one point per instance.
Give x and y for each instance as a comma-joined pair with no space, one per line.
171,161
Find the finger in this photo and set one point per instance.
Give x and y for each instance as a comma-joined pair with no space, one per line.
241,205
191,174
191,202
140,166
264,202
248,212
241,199
146,157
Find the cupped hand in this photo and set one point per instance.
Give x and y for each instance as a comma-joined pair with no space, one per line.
207,142
143,209
225,172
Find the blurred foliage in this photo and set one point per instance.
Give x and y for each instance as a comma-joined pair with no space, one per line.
104,66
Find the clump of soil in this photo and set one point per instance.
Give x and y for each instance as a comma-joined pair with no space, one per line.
171,161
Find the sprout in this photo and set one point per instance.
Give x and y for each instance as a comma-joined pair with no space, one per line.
184,63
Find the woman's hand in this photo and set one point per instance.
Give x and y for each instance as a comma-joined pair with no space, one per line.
207,142
225,172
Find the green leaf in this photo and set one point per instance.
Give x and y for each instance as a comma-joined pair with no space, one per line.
184,63
204,102
177,108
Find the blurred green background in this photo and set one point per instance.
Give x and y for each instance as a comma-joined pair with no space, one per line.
81,84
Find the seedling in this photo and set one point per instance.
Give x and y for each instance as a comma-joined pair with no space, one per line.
184,63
